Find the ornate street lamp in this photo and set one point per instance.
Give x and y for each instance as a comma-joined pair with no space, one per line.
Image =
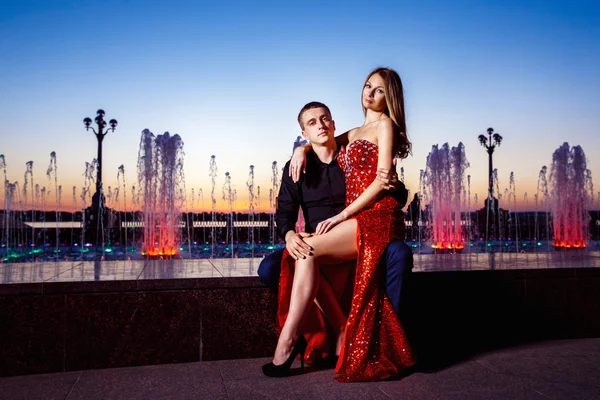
490,143
100,133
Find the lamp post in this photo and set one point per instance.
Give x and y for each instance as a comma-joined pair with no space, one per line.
490,143
100,133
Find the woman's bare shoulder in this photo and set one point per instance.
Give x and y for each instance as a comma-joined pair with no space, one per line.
385,123
352,133
385,126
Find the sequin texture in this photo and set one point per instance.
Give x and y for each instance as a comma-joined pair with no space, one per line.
375,345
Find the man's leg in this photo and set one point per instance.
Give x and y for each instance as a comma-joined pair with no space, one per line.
397,264
269,269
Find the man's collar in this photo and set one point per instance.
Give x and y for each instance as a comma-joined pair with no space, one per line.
312,154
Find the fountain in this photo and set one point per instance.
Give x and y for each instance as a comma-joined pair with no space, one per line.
150,221
229,197
250,186
121,183
89,177
201,199
160,175
572,196
258,217
496,212
542,190
444,183
213,179
272,200
29,173
469,221
5,216
52,172
512,194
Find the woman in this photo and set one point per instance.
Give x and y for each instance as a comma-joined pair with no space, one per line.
371,344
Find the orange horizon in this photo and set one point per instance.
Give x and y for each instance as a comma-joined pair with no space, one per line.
65,209
224,210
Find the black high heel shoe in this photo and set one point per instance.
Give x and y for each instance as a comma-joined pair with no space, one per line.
283,370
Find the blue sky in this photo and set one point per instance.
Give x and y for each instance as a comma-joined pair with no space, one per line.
230,77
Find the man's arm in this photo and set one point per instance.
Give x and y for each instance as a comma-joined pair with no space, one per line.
401,194
298,161
288,203
286,216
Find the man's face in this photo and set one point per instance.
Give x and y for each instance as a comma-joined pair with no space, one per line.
319,128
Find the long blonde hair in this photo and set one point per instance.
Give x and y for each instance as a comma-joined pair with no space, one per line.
394,97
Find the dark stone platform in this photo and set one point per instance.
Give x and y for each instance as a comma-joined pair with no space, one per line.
86,315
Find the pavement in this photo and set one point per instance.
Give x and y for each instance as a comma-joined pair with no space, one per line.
566,369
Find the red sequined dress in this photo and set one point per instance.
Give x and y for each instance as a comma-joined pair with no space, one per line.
375,345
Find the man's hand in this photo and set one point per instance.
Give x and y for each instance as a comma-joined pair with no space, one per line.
328,224
388,178
296,246
298,163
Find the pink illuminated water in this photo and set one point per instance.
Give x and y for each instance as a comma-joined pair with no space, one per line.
445,188
571,197
160,176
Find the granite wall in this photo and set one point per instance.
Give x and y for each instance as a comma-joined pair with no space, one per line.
67,326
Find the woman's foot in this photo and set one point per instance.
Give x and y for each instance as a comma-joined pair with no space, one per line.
340,342
284,348
276,369
331,360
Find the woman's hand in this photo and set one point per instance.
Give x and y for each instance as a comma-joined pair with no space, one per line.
325,226
298,163
296,246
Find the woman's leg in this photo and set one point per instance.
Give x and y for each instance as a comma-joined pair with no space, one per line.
333,247
327,301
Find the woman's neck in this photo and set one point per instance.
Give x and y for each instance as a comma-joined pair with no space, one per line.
373,116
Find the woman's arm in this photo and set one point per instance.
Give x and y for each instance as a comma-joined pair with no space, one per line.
298,161
385,140
342,140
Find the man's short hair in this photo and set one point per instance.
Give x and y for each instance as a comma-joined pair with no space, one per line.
310,106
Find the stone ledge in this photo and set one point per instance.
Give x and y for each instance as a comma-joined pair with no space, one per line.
68,326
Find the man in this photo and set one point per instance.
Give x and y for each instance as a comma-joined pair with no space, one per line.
321,193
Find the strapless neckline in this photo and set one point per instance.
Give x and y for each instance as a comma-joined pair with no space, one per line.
361,140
